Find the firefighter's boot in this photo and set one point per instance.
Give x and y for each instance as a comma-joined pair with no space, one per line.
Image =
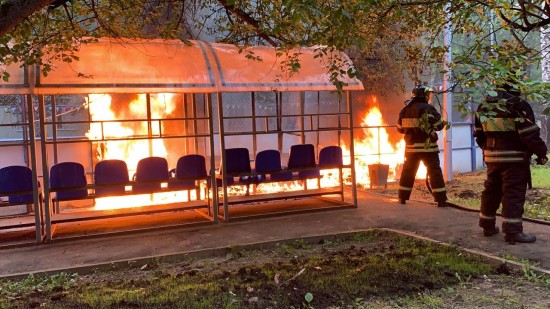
520,238
490,231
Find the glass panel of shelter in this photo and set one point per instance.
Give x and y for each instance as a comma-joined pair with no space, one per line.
18,145
280,120
139,125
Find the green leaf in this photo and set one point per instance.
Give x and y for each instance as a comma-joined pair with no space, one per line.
5,76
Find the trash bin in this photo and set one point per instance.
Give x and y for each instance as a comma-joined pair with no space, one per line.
378,174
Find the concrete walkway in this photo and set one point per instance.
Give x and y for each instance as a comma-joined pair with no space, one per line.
449,225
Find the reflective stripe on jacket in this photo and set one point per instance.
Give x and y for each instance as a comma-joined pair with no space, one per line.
419,121
510,134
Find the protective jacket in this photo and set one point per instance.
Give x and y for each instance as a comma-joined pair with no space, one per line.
419,121
508,136
511,134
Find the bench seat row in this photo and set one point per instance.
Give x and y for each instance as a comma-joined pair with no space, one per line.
111,178
301,165
68,181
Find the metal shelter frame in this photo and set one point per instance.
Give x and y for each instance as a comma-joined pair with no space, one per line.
28,146
51,218
308,124
151,67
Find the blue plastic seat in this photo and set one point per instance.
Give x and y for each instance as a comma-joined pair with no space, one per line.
110,177
189,169
331,157
68,181
14,181
302,156
268,162
238,162
150,173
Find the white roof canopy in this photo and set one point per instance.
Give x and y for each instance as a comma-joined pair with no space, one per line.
152,66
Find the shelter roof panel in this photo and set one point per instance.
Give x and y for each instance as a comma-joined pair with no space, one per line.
153,66
268,70
119,66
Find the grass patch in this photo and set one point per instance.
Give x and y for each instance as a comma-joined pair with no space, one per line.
537,205
346,272
541,176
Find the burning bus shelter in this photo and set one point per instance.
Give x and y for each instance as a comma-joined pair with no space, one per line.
133,100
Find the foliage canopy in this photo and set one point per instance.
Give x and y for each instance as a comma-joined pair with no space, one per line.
492,40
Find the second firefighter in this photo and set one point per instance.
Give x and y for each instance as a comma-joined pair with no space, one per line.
420,121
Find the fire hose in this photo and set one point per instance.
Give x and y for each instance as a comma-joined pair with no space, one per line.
428,183
475,210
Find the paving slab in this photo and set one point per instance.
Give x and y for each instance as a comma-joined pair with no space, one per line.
449,225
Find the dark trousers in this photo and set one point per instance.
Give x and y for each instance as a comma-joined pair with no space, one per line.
431,161
506,183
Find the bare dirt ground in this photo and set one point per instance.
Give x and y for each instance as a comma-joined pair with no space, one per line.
463,186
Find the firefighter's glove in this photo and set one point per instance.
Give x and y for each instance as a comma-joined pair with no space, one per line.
542,160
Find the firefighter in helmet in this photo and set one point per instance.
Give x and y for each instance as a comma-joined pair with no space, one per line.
420,121
505,129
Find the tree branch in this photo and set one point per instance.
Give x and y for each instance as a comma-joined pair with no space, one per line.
243,16
13,12
524,12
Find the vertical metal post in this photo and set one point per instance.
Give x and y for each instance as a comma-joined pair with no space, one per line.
302,119
279,113
25,119
492,36
319,117
352,149
223,157
195,124
45,171
90,120
254,135
470,122
36,188
447,107
185,125
213,182
339,121
149,124
54,128
472,147
339,134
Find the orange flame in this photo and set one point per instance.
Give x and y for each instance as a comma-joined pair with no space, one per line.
374,148
106,126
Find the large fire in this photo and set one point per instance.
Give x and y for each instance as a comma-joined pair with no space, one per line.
106,126
373,148
376,148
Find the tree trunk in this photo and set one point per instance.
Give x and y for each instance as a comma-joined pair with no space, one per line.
545,65
545,49
12,12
